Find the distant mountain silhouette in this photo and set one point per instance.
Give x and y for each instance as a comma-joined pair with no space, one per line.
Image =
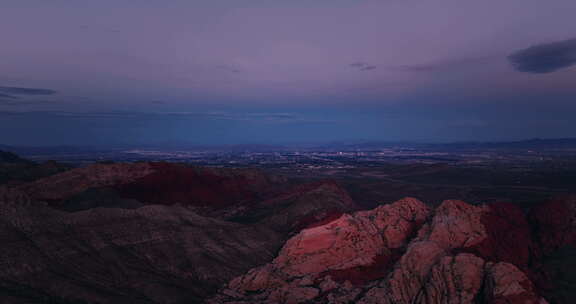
536,143
9,157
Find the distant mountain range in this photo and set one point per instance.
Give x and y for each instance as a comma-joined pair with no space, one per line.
536,143
9,157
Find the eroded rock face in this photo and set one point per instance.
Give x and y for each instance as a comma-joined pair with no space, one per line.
400,253
154,254
352,244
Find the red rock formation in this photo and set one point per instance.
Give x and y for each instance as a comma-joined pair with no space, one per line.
461,254
360,241
179,249
180,184
159,183
61,186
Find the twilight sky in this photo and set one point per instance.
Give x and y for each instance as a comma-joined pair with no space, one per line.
277,71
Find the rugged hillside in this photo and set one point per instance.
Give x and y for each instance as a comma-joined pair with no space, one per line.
16,170
154,254
172,233
241,195
299,206
9,157
407,253
132,233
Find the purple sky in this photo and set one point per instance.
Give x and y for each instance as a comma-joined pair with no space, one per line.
244,71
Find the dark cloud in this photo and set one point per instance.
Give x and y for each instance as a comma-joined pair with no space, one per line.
9,91
545,58
363,66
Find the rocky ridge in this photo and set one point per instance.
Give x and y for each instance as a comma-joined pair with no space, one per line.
156,251
407,253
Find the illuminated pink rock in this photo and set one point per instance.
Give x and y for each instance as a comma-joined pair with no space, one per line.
399,254
347,248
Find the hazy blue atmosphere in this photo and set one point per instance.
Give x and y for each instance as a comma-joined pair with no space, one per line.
228,71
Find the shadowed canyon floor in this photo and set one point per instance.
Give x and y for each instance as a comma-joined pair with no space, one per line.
172,233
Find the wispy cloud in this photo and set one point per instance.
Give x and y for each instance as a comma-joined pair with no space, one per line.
443,65
250,116
228,68
19,102
545,58
271,117
6,96
25,91
100,28
362,66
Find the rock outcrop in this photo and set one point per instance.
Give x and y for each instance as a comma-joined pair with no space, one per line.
350,250
400,253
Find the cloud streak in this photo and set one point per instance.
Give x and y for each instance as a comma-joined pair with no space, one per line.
545,58
445,65
7,96
272,117
25,91
363,66
228,68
